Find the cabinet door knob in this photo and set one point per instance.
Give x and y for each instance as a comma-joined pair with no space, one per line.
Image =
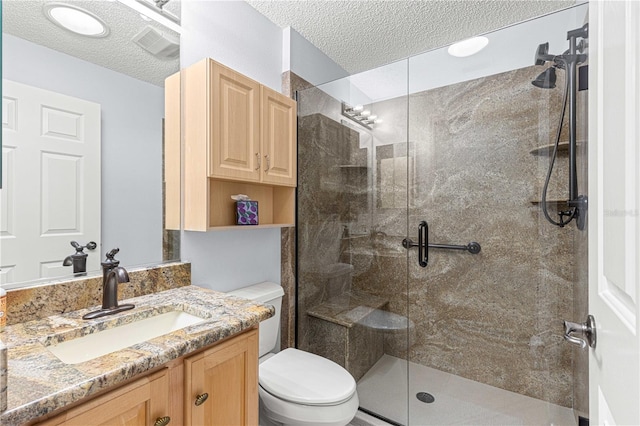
162,421
200,399
268,163
259,161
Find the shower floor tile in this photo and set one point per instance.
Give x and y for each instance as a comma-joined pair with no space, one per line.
458,401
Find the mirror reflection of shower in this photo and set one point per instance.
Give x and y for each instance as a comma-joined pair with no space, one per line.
567,61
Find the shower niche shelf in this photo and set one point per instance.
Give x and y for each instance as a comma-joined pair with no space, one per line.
547,150
352,167
557,204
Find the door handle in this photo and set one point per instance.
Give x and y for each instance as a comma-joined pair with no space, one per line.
422,244
586,329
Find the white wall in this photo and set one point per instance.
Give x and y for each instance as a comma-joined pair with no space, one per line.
306,60
132,112
234,34
227,260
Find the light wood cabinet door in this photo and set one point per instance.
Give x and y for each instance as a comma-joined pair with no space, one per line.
228,375
278,128
140,403
235,125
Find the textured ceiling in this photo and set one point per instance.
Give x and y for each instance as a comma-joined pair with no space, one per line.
357,34
25,19
360,35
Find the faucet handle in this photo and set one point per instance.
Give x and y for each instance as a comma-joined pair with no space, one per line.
91,245
111,254
110,262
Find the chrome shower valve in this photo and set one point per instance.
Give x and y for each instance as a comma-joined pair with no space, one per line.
586,329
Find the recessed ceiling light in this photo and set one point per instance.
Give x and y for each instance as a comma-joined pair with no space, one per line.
468,47
75,19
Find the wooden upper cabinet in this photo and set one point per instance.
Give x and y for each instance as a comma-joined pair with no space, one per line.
239,138
278,123
235,125
243,130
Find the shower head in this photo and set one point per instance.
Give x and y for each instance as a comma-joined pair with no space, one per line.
547,79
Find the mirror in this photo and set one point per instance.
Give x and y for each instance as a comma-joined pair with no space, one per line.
56,196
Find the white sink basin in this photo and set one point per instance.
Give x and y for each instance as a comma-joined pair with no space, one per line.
114,339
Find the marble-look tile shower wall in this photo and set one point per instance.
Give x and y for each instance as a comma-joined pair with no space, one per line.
323,210
495,317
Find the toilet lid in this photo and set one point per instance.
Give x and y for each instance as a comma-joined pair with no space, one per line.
304,378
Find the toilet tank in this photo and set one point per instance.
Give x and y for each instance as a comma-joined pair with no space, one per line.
268,294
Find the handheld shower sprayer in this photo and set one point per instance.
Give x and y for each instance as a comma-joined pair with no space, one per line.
568,61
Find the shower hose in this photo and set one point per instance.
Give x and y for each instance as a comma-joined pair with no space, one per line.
570,213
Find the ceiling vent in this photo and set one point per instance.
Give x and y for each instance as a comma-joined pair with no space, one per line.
160,45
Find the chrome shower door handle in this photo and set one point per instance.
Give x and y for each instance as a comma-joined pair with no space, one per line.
586,329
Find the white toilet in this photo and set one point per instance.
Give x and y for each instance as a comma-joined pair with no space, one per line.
297,387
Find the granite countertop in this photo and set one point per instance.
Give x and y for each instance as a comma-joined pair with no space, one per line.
39,383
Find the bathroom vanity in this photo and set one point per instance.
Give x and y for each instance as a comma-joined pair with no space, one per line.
204,373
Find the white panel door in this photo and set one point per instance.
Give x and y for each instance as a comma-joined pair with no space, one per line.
51,182
614,217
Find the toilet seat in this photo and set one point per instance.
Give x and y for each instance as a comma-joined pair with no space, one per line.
303,378
275,411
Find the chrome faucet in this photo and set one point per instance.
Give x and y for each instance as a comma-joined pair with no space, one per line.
112,275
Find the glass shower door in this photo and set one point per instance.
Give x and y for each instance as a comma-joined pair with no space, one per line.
352,218
462,324
489,347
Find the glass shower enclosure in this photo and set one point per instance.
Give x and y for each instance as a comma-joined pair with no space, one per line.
425,265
